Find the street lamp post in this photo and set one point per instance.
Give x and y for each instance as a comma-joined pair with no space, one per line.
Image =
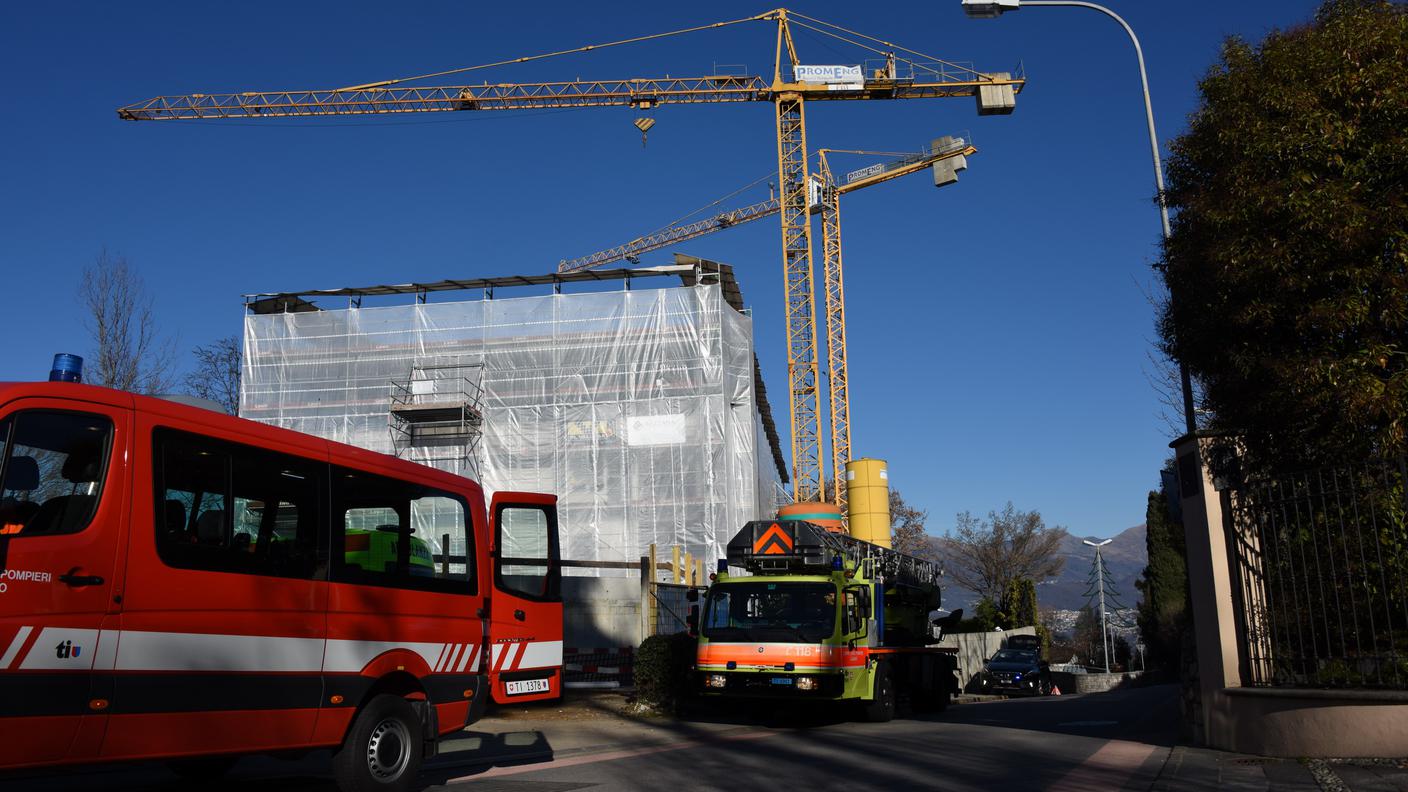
1100,582
990,9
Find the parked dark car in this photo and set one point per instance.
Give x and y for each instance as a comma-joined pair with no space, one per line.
1019,672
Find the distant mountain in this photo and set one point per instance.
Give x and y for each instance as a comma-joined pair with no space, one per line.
1126,556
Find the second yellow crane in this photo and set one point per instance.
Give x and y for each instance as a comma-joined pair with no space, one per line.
946,157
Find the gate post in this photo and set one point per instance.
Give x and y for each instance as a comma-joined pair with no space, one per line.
1210,585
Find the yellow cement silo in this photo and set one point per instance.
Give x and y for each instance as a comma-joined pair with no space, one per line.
868,500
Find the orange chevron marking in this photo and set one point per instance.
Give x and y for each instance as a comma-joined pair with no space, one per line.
774,541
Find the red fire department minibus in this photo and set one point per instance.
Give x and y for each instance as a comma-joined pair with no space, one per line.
180,584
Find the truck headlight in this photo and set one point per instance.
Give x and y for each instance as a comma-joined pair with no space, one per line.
806,683
716,681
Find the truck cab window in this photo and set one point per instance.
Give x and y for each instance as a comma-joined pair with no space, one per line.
53,467
782,612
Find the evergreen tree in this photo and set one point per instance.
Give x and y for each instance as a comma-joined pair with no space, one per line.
1288,263
1163,610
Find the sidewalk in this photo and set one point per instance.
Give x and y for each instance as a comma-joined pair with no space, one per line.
1199,769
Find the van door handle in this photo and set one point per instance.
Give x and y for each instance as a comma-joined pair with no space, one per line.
519,615
81,580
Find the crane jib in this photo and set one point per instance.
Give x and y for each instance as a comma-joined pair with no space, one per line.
529,96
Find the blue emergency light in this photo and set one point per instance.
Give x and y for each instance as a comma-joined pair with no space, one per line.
67,368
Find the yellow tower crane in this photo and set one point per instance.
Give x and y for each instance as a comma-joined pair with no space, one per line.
906,74
946,156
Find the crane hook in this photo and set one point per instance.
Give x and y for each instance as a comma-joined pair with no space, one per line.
644,124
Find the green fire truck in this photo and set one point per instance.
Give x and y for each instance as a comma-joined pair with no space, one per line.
821,616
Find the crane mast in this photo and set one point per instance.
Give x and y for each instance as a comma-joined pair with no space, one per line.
995,94
824,200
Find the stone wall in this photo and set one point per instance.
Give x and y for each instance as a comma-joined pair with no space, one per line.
1092,683
601,611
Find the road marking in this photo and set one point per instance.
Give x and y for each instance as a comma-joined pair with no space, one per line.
1107,768
555,764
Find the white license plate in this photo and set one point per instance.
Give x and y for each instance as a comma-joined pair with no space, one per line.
523,686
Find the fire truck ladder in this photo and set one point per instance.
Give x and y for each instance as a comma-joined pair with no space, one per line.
814,548
436,415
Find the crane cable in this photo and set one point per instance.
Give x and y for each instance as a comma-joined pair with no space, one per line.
793,16
710,205
587,48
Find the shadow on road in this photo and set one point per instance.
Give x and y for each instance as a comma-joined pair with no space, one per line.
1148,715
468,753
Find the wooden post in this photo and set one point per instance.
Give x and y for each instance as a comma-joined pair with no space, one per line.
644,597
652,608
675,571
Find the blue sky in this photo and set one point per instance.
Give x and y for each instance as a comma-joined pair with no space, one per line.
999,329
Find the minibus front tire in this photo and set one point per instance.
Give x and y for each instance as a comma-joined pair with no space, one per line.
383,749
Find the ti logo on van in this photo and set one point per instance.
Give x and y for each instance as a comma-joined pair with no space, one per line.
66,650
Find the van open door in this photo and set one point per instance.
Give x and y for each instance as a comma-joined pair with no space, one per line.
525,606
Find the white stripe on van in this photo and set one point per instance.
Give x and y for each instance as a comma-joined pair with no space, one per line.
450,661
15,646
541,654
163,651
127,650
346,656
473,650
54,650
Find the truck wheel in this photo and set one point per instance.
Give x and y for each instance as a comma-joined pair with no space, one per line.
882,708
383,750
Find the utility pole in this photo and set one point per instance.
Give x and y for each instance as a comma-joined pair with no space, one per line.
1100,587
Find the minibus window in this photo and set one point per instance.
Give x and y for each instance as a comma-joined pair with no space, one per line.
54,466
225,507
526,563
397,533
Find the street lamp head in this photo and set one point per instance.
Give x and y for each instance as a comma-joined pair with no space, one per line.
989,9
1097,544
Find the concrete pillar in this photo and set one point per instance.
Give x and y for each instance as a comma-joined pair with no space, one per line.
1209,576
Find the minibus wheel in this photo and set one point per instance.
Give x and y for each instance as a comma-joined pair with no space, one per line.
383,749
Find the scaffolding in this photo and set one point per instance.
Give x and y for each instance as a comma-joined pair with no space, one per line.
641,409
439,407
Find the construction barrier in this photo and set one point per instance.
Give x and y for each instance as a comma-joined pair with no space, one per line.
598,667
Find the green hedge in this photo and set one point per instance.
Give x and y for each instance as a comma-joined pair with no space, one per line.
664,666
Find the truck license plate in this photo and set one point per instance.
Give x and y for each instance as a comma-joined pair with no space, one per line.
523,686
782,680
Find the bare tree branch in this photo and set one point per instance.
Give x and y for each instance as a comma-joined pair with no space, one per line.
984,556
217,373
907,527
130,352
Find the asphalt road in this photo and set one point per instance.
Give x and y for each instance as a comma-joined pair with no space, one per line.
1111,741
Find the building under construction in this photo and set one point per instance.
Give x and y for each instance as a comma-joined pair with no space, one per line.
642,408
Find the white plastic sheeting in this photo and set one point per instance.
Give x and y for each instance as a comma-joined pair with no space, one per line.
636,408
